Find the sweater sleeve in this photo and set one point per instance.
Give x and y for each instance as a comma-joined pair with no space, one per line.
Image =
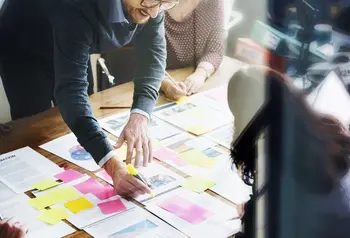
214,20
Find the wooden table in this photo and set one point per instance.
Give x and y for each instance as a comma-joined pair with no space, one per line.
44,127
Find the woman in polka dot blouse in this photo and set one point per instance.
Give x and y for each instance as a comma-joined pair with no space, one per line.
195,37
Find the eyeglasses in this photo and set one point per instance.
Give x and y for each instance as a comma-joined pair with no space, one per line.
163,4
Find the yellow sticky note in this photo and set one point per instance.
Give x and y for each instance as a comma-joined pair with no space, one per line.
45,184
198,184
197,158
64,194
198,130
78,205
42,202
183,100
196,112
53,216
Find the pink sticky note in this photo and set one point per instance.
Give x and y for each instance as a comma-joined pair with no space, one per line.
106,192
105,176
164,154
89,186
68,175
185,209
113,206
178,161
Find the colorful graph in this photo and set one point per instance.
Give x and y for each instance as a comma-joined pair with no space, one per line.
79,153
135,230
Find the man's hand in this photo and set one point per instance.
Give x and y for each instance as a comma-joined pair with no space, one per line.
195,81
4,130
124,183
137,137
10,228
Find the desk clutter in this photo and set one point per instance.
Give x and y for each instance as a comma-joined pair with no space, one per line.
191,136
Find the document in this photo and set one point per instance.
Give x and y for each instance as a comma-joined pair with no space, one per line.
67,147
18,207
22,168
136,223
159,129
202,215
223,135
82,214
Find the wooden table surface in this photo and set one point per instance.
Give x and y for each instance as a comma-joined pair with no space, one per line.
44,127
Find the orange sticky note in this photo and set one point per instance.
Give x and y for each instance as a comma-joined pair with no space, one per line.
53,216
78,205
198,130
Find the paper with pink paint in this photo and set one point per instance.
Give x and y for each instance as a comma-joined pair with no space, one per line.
106,192
105,176
89,186
164,154
185,209
111,207
68,175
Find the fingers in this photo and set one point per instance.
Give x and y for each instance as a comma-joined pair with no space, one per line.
138,153
120,141
145,151
138,185
182,86
129,151
150,151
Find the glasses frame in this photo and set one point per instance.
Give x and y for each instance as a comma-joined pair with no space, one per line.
159,3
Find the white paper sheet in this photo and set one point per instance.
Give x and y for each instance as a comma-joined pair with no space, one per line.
216,225
5,193
331,97
19,208
89,216
21,168
223,135
67,147
194,114
136,223
159,129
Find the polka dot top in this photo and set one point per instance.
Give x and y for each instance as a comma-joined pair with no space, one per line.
199,38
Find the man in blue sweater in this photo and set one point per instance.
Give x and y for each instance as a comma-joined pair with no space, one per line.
79,28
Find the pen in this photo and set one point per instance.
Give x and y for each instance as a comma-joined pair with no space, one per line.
171,78
134,173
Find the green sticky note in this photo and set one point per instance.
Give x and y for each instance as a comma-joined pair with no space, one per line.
45,184
42,202
78,205
197,184
64,194
53,216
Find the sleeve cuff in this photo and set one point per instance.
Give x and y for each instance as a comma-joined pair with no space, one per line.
143,104
106,158
138,111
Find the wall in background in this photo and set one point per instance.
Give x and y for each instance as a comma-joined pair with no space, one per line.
4,105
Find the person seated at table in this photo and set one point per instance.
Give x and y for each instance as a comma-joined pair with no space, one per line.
10,228
195,37
328,199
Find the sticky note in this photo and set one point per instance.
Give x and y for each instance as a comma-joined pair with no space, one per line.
68,175
185,209
88,186
42,202
164,154
197,158
206,163
64,194
105,176
53,216
198,130
197,184
106,192
111,207
182,100
45,184
78,205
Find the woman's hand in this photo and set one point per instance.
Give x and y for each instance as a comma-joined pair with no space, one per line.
11,228
175,91
194,82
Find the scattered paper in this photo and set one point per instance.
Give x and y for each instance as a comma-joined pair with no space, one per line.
68,175
67,147
112,207
164,154
197,184
185,209
198,130
200,143
203,225
105,176
78,205
89,186
21,168
222,135
53,216
133,223
45,184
